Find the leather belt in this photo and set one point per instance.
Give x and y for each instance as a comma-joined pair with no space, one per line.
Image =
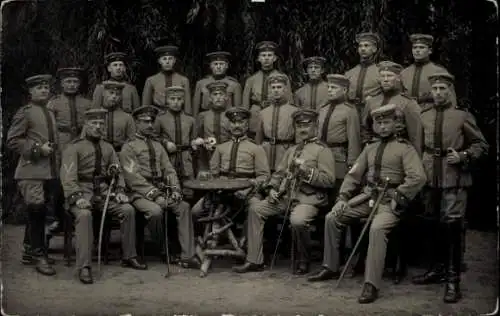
238,174
180,148
90,179
437,152
381,185
274,141
335,145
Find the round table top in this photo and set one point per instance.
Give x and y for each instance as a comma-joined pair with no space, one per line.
218,184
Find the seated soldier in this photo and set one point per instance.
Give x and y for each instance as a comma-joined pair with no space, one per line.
312,166
239,157
389,158
88,163
148,173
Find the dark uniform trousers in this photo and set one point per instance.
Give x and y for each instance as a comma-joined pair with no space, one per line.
38,196
84,233
154,215
383,221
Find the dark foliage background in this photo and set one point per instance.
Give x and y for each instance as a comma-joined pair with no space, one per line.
42,36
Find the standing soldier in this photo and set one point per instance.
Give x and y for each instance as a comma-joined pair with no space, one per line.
389,158
363,77
69,109
414,77
314,93
115,63
275,123
312,165
389,77
120,126
89,165
155,87
33,135
339,126
219,63
176,130
213,123
256,91
452,141
147,172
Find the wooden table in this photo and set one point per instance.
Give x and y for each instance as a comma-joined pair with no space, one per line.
218,222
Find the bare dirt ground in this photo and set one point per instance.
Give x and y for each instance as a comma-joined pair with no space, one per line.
124,291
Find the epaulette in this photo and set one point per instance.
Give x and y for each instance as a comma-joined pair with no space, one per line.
401,139
426,107
76,140
321,143
231,78
406,95
349,104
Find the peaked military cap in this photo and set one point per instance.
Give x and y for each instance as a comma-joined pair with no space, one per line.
266,46
38,79
169,50
368,36
314,60
116,56
113,85
391,66
69,72
385,111
441,77
175,90
305,116
145,112
425,39
277,77
237,114
338,79
219,55
95,114
217,86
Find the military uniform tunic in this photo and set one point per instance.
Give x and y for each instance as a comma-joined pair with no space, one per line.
145,166
391,158
256,92
180,129
211,124
311,95
156,85
201,97
411,112
415,80
119,128
446,126
130,97
84,174
69,113
275,131
339,129
311,193
363,83
238,158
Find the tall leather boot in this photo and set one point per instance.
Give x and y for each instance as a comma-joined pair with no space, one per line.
437,269
452,293
302,237
37,237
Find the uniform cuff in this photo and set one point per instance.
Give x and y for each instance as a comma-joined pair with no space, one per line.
401,199
74,197
343,197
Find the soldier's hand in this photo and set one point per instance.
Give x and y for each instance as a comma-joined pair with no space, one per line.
161,201
452,157
83,203
176,196
46,149
121,198
339,208
171,148
195,143
273,196
394,205
113,170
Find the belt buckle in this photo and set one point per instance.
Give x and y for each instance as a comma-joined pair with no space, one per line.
437,152
272,140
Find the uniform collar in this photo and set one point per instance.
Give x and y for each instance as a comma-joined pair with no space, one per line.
311,140
422,62
141,136
218,77
239,139
443,106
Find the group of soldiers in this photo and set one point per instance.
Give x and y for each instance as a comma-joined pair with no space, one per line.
377,132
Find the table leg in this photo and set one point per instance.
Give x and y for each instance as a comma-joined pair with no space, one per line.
210,244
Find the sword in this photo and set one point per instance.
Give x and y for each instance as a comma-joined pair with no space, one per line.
101,228
365,227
